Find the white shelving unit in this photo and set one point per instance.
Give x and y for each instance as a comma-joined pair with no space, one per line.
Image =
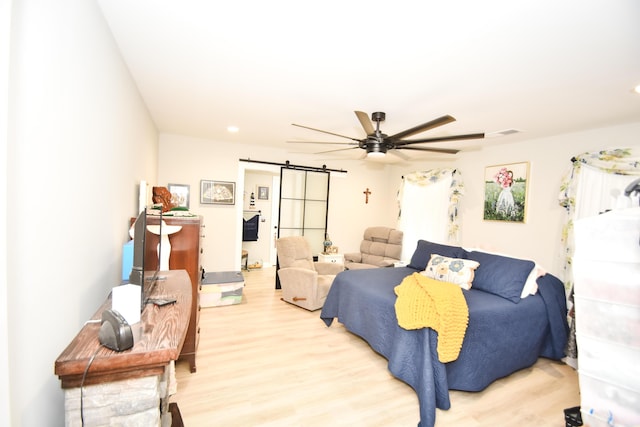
606,269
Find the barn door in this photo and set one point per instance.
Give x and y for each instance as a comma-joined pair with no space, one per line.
304,205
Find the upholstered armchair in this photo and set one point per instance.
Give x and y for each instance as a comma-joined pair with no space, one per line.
304,282
380,247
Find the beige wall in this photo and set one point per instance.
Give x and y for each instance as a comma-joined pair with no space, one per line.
188,160
5,44
539,237
79,141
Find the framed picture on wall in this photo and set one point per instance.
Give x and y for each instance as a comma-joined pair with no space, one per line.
505,192
179,194
263,193
217,192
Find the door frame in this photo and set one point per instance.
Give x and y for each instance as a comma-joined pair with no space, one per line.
243,168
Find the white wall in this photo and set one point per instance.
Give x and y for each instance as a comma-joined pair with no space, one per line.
5,39
185,160
79,141
539,237
349,214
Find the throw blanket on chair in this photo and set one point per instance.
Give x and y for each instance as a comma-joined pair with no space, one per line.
424,302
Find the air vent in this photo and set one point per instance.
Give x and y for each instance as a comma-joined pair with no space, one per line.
508,132
502,133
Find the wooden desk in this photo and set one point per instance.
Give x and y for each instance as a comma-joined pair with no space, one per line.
158,339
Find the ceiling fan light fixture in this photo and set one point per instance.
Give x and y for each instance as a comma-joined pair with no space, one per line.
375,149
376,154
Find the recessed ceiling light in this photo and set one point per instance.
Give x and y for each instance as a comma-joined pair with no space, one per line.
233,129
636,89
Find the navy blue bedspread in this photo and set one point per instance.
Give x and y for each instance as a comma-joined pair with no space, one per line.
502,337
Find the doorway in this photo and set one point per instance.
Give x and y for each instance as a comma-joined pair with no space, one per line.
261,192
305,207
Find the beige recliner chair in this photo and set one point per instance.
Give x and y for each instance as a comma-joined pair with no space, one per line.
381,247
304,282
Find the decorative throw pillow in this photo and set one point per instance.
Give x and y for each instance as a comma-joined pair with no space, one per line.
531,284
500,275
453,270
423,252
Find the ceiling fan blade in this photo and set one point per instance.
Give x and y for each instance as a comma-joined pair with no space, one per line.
320,142
365,122
440,138
433,150
423,127
332,151
324,131
399,154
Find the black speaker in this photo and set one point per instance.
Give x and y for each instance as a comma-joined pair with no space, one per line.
115,332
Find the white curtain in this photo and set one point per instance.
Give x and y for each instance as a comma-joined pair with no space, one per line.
598,190
428,208
594,183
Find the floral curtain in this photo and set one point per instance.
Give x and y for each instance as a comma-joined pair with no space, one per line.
428,207
586,191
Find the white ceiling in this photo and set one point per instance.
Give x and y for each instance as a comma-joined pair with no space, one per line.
543,67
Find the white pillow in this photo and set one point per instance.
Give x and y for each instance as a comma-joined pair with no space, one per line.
531,286
453,270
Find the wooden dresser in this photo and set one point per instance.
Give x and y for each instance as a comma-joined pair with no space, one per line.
186,248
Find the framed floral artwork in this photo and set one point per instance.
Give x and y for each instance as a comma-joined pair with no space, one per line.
217,192
505,192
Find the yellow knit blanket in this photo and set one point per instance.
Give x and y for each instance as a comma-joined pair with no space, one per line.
424,302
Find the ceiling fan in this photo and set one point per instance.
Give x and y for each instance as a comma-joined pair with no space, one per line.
376,143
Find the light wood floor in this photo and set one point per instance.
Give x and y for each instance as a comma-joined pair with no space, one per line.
268,363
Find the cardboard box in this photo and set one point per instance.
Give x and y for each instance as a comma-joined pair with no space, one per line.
221,288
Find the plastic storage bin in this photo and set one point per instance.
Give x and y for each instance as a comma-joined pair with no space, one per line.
606,269
221,288
607,404
622,325
604,359
609,281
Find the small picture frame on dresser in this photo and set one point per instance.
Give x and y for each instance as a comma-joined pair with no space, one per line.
179,194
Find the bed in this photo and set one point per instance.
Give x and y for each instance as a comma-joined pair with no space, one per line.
503,335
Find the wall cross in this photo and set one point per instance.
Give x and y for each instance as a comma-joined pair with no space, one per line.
366,195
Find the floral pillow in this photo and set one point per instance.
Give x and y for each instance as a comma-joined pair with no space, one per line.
452,270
